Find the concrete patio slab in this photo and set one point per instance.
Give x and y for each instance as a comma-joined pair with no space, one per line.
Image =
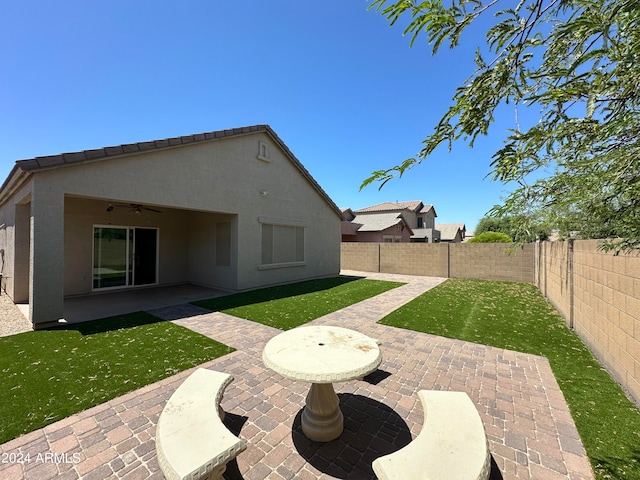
530,430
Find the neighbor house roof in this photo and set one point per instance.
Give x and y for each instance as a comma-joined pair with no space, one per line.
377,222
17,174
448,231
392,206
415,206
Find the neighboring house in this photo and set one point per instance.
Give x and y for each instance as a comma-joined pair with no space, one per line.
232,209
414,221
451,232
389,227
468,236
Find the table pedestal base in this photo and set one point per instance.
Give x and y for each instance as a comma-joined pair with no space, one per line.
322,419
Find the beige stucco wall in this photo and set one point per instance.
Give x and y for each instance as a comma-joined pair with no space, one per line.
186,241
15,241
222,177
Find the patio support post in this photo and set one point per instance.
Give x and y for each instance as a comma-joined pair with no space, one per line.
46,262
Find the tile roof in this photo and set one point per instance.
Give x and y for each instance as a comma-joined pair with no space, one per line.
414,205
448,231
376,222
105,153
49,161
391,206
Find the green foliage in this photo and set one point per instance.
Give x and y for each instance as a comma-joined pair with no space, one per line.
510,226
492,224
48,375
577,63
515,316
289,306
491,237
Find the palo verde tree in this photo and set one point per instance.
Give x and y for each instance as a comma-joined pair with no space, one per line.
574,62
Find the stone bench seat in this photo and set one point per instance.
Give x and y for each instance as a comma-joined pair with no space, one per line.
191,440
452,444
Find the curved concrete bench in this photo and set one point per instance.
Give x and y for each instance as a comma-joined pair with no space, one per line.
191,440
451,445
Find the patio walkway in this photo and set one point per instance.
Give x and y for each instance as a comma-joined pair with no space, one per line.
531,433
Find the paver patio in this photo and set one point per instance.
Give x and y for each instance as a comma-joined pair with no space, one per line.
531,433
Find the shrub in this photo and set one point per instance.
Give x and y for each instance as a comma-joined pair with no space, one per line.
491,237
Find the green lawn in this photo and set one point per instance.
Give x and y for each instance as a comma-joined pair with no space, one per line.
50,374
516,316
289,306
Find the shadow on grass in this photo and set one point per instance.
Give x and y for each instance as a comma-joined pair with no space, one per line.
273,293
103,325
135,319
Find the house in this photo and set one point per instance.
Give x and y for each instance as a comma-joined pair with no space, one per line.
387,227
411,221
231,209
451,232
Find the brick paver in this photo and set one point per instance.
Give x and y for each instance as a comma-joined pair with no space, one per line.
530,431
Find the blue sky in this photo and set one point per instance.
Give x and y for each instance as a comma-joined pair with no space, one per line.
341,88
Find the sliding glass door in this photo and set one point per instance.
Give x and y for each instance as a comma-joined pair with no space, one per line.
124,256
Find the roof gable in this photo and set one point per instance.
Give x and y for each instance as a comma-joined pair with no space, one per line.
376,222
413,205
103,154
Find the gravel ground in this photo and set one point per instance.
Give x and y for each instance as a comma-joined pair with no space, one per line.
11,319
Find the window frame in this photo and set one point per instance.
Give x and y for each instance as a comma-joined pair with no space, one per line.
299,227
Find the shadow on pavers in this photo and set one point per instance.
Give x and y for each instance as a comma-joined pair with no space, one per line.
371,429
234,423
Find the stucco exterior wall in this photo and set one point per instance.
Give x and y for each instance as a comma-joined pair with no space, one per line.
14,240
186,240
240,179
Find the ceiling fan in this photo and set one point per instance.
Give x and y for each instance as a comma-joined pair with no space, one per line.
135,208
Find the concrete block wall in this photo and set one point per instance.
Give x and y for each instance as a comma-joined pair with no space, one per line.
598,293
364,257
426,259
492,261
553,266
462,260
607,309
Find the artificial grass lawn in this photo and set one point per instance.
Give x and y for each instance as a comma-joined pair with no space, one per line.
288,306
516,316
50,374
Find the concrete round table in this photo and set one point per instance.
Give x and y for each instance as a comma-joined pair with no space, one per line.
322,355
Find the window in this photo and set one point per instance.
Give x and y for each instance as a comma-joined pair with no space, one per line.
420,222
282,243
